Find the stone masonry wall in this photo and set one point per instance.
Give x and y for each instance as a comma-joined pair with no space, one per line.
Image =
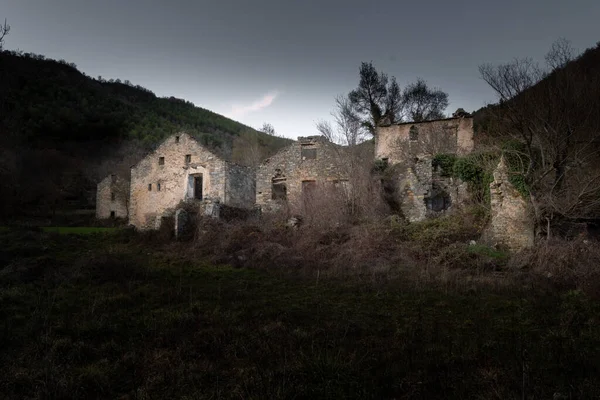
415,185
288,164
451,135
147,202
512,224
112,196
240,186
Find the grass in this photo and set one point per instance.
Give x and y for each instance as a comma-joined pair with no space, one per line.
78,230
105,316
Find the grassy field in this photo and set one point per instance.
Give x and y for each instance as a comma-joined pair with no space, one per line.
109,316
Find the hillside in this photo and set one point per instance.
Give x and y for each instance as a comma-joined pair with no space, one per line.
583,68
60,130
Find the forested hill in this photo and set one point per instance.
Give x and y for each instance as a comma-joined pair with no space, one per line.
48,99
61,130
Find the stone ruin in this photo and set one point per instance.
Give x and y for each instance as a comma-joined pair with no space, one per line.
512,224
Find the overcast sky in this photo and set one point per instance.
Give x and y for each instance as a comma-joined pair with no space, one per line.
283,62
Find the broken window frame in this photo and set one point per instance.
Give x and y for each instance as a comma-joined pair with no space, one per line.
279,189
308,152
413,133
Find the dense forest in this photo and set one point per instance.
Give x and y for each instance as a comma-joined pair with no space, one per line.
61,130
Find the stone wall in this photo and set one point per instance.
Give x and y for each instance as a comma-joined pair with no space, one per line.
112,196
166,176
240,186
311,158
512,223
398,142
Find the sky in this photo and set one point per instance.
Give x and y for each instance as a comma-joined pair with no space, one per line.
284,61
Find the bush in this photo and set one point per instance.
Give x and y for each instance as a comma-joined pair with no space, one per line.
563,264
445,162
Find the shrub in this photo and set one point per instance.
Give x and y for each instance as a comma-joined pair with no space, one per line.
445,162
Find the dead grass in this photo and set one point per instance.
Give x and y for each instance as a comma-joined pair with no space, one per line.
128,316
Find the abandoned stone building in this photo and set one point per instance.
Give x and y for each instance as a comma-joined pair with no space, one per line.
181,169
296,172
396,143
112,197
410,147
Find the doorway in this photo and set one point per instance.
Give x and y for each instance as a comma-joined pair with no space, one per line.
198,187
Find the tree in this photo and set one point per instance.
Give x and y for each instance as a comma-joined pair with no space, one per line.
268,129
4,30
422,103
376,98
349,129
549,116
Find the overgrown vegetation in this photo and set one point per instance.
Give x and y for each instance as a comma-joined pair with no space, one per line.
129,316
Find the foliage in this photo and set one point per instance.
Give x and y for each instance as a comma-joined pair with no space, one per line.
375,97
477,170
436,233
379,166
551,112
517,159
445,162
52,115
422,103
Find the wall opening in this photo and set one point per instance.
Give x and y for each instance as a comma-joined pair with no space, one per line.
112,196
413,133
439,201
149,187
176,139
161,161
198,187
113,178
278,189
309,188
308,152
158,187
188,158
112,214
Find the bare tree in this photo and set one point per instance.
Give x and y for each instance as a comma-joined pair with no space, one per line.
552,116
348,130
4,30
347,137
268,129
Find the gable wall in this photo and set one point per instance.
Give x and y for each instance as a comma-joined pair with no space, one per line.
146,205
327,167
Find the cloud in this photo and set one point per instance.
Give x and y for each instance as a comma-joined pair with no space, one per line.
239,110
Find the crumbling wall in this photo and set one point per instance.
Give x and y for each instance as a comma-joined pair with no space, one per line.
424,192
512,223
415,186
112,196
295,164
165,177
240,186
398,142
